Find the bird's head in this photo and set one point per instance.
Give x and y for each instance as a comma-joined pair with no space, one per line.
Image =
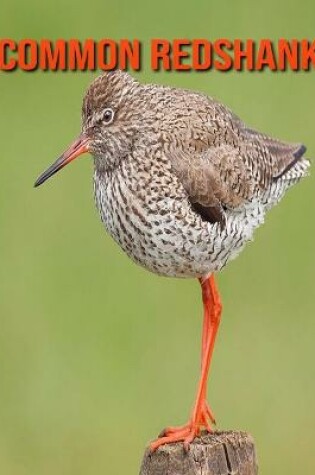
112,118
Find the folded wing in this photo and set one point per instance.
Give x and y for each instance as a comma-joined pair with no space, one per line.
244,165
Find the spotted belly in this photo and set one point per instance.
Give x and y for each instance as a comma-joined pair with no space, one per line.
167,237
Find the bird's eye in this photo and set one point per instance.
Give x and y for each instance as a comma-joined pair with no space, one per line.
108,115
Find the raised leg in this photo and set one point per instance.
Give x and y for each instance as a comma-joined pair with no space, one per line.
201,415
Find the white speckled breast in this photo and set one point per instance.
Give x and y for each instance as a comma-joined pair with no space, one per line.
148,214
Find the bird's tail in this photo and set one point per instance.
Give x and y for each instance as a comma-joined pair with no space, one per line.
294,172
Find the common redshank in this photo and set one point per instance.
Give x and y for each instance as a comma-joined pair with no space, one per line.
181,183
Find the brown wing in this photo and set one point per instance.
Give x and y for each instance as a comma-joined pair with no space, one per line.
214,180
230,173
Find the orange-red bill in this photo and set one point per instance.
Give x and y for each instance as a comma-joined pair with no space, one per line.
78,147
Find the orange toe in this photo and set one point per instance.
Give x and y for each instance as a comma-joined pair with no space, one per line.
185,434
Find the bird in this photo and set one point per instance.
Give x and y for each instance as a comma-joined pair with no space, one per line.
181,184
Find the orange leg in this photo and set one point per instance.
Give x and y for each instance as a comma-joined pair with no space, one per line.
201,415
206,334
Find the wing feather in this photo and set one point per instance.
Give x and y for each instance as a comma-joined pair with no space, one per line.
234,166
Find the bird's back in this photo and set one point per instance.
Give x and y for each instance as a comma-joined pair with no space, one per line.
224,164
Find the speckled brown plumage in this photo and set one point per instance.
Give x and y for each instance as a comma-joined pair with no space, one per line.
180,181
181,184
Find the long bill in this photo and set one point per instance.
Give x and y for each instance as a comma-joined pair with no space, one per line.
78,147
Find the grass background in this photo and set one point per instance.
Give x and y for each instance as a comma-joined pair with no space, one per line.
96,355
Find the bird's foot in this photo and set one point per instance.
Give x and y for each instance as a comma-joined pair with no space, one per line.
186,433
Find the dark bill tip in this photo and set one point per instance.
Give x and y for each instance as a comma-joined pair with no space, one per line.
78,147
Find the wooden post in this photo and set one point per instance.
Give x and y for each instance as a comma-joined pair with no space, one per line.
217,453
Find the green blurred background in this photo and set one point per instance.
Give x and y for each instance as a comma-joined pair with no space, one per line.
96,354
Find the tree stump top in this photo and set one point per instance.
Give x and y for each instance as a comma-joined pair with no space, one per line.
216,453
